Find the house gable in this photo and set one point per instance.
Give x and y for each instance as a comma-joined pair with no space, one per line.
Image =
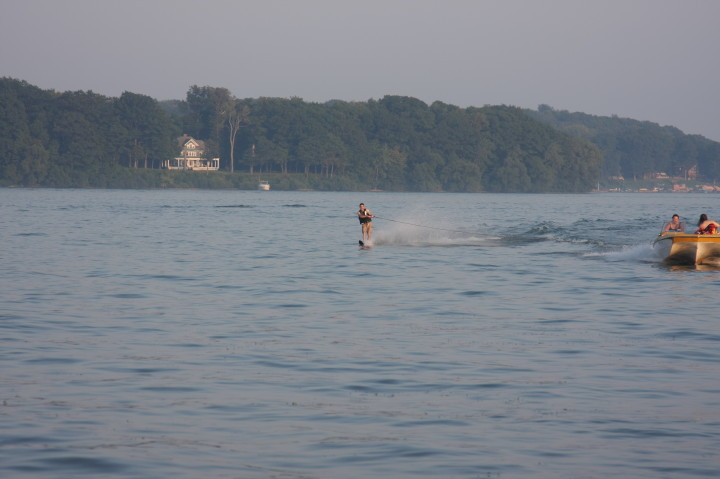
191,156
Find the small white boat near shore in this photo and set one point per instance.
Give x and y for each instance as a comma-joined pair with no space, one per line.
264,186
688,249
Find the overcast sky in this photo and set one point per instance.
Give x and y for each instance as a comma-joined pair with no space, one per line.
654,60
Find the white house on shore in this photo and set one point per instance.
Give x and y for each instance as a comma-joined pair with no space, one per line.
191,156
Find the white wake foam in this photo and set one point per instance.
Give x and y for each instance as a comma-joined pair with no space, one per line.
640,253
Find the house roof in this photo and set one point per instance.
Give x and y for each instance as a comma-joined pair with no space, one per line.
185,139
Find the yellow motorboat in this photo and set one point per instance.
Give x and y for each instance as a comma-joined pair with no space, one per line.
687,248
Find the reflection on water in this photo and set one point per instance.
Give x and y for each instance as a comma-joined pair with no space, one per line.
696,267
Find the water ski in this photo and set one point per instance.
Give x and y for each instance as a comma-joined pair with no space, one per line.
363,245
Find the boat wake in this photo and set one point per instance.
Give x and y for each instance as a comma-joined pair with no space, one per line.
415,237
639,253
598,240
409,234
400,233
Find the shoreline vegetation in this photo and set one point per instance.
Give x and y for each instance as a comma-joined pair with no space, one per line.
395,144
173,180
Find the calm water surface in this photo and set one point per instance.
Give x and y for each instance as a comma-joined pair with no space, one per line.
243,334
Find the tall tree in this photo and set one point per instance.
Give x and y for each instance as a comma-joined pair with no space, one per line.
147,130
210,111
14,129
237,116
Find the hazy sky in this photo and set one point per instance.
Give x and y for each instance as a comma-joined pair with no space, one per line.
655,60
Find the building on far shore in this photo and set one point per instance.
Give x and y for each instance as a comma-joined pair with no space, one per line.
191,157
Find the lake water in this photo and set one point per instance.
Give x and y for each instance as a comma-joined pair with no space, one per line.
243,334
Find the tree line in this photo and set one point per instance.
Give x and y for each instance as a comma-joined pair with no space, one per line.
78,138
396,143
637,149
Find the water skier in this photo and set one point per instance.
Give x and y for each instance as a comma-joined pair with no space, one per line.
365,218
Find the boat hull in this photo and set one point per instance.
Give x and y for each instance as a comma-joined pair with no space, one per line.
684,248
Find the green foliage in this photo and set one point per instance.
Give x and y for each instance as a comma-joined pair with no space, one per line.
637,149
398,143
144,132
78,139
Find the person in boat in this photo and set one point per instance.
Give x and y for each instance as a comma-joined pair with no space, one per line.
706,226
365,218
675,225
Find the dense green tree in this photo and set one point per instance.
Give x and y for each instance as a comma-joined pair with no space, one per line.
395,143
458,175
145,130
209,112
423,166
510,174
709,161
385,168
631,148
14,131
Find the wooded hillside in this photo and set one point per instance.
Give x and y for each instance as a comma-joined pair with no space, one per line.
397,143
637,149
